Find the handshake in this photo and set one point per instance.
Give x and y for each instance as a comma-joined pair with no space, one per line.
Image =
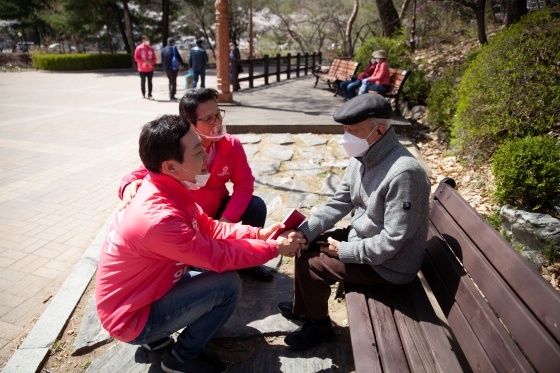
289,242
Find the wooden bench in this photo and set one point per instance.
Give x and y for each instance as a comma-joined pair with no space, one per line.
489,309
398,77
340,70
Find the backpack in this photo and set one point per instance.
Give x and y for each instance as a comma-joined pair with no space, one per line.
174,60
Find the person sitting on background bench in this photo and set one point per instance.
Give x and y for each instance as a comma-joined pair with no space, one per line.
386,191
380,79
349,87
146,287
228,163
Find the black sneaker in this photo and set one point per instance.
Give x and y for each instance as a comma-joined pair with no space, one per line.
260,273
203,362
286,311
310,334
159,344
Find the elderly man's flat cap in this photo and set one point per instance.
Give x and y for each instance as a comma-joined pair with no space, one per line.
368,105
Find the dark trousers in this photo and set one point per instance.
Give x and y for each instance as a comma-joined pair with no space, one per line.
254,215
143,77
172,77
315,272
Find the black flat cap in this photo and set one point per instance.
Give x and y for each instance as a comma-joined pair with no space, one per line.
368,105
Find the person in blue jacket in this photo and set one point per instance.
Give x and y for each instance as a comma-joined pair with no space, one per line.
198,59
172,63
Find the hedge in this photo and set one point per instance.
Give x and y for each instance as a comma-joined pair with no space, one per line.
81,61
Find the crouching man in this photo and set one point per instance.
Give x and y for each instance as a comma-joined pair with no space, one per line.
146,286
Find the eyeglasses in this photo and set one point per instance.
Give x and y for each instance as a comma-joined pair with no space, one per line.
211,120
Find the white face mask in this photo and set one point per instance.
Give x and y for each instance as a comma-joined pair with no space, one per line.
373,60
220,133
200,180
147,42
355,146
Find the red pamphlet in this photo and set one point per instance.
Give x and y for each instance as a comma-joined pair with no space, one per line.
292,221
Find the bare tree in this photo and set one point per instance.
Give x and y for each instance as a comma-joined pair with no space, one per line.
515,9
128,25
389,17
478,7
348,37
165,21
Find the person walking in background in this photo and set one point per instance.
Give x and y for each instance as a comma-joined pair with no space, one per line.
380,79
198,59
172,63
145,59
234,55
349,87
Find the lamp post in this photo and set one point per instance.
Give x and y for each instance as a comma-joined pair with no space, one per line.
222,50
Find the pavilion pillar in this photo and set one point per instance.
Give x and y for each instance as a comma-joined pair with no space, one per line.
222,51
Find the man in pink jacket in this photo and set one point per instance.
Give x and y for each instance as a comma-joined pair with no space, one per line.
227,163
145,60
380,79
146,288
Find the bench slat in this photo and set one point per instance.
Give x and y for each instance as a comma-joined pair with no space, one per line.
388,342
495,340
513,268
443,355
474,352
537,344
364,347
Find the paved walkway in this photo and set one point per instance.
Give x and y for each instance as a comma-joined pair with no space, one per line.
66,139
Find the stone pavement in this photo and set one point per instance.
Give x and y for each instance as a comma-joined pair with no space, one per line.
66,139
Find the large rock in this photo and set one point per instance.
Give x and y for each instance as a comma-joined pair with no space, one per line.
532,230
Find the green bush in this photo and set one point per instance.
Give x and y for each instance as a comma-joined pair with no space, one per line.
417,86
527,171
512,89
81,61
443,97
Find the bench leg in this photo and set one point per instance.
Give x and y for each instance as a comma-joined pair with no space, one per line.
316,81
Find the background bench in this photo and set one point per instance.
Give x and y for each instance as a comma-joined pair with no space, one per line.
339,71
398,77
489,310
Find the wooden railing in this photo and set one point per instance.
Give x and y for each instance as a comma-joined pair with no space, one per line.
267,68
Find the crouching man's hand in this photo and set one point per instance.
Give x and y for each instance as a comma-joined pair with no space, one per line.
291,242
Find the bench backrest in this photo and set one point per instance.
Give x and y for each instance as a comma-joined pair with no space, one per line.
398,78
342,68
464,250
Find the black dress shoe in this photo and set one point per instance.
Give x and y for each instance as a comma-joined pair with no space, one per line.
286,311
260,273
311,333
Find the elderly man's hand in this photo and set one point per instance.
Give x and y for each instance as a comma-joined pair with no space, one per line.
129,193
290,242
330,247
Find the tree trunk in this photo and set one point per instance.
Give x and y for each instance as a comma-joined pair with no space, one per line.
348,37
128,25
480,11
404,8
515,9
165,21
118,17
389,17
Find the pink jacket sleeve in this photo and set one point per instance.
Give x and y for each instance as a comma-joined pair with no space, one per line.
381,75
137,174
243,184
214,246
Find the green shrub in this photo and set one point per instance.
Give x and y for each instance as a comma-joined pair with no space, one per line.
417,86
511,90
527,171
81,61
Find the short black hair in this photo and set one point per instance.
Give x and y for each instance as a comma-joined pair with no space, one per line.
160,140
199,42
190,101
